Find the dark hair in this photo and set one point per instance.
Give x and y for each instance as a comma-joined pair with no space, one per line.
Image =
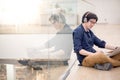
89,15
57,18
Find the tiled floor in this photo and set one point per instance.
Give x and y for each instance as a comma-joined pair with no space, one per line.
85,73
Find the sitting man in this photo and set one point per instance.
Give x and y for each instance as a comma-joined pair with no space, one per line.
84,40
62,42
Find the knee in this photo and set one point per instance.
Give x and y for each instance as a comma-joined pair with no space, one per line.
88,62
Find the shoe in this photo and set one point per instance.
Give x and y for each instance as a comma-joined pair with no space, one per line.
36,67
80,64
24,62
105,66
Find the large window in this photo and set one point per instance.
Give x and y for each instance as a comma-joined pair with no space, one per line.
39,31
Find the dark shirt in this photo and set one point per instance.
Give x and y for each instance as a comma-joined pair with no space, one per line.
85,40
66,30
62,40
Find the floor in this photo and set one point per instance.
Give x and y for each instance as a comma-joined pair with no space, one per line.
85,73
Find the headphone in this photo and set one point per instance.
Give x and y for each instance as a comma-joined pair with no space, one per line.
57,18
85,18
62,18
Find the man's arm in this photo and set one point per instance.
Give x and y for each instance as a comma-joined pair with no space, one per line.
115,50
85,53
107,46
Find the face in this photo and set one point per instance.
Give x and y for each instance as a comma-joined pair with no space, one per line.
56,24
90,23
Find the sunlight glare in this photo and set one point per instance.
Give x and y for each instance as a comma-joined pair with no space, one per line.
19,11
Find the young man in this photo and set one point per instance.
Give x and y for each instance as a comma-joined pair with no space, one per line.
61,41
84,40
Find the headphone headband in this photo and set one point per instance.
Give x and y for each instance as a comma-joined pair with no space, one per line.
87,14
85,18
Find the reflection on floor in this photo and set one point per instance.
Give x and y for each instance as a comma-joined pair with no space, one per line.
3,72
27,73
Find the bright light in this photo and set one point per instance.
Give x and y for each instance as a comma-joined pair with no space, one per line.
19,11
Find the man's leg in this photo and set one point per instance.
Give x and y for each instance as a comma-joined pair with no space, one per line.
99,61
100,58
116,57
97,58
114,62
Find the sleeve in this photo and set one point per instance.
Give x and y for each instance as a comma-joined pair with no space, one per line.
77,40
98,42
52,42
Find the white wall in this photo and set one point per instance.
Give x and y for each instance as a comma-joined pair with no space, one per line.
83,7
107,11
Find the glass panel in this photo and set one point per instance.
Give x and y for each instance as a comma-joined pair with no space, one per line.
36,38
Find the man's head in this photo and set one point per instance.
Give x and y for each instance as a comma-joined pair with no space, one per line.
58,20
88,16
89,19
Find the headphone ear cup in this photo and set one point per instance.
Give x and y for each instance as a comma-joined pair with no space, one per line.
85,19
60,20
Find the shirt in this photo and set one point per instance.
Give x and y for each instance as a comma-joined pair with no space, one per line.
62,40
85,40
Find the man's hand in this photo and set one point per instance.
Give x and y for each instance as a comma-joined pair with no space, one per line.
115,51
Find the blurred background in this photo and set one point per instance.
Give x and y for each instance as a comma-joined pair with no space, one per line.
23,16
